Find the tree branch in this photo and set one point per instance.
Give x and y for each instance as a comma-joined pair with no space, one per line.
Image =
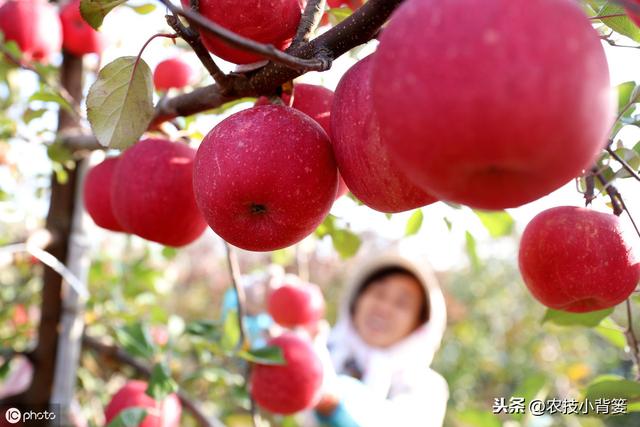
112,352
309,22
193,39
236,280
357,29
265,50
629,333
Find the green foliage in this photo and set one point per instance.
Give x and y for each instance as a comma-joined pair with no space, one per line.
161,384
270,355
130,417
135,339
345,242
620,24
414,223
498,224
143,9
564,318
120,102
94,11
612,387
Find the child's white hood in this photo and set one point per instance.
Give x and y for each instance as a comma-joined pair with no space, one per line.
391,370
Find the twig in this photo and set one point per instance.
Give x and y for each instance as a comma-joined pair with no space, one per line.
193,39
265,50
623,162
612,192
236,280
115,353
632,340
311,17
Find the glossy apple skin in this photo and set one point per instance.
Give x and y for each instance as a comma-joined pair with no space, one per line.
266,21
577,260
133,394
292,387
265,178
97,194
293,305
172,73
494,110
315,101
152,195
77,36
363,159
34,25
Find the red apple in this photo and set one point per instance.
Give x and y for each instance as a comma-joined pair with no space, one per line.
363,159
292,387
315,101
634,14
34,25
274,22
265,178
352,4
172,73
97,194
152,195
576,259
493,110
133,394
293,305
77,36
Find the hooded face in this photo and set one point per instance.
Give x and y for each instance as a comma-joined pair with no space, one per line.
388,309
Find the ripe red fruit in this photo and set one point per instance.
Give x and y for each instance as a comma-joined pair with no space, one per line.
576,259
77,36
172,73
494,110
315,101
152,194
133,394
352,4
296,304
34,25
363,159
292,387
97,194
265,178
274,22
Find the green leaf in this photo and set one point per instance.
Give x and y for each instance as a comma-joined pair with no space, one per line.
230,331
471,251
529,389
346,243
143,9
8,128
326,228
228,105
339,14
49,95
135,339
478,418
498,224
625,91
271,355
94,11
31,114
448,222
130,417
4,368
283,256
631,157
612,387
620,24
612,332
414,223
160,383
120,102
12,49
565,318
207,329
